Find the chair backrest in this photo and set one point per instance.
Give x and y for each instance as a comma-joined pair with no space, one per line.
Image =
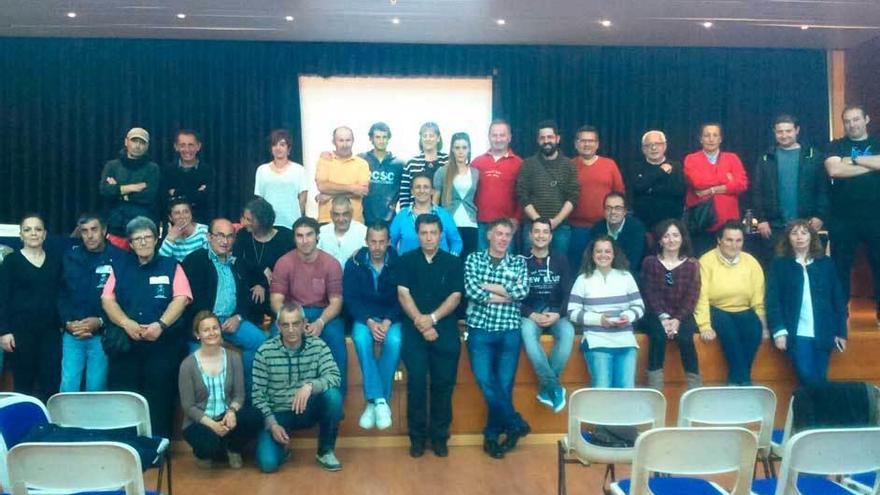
75,467
6,395
18,415
830,452
730,406
611,407
694,452
101,410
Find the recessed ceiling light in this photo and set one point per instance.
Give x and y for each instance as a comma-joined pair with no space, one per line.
181,16
500,22
605,23
72,15
289,18
805,27
395,20
708,24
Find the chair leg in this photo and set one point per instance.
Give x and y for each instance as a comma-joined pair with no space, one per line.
168,461
164,473
560,463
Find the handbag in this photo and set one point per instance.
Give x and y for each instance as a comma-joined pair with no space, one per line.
115,341
699,217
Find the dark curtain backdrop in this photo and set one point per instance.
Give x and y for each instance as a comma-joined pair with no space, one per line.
67,103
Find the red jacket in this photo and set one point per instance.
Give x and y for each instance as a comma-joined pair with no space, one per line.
727,171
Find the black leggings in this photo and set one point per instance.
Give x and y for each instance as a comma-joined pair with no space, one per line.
208,445
684,339
36,362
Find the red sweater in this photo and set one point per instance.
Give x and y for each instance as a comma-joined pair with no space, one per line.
727,171
596,181
496,189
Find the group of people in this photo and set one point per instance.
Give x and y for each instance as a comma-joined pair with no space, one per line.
403,255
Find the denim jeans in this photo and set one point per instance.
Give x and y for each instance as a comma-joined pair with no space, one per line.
494,357
325,409
247,337
612,367
560,242
740,337
579,239
378,373
80,356
810,362
334,336
548,369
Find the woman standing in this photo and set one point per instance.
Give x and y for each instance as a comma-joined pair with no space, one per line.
211,382
454,189
282,182
671,285
427,162
29,283
806,310
404,237
606,301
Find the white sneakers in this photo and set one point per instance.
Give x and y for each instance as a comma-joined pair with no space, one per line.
376,415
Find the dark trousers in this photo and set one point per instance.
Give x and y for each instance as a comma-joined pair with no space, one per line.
685,340
810,362
36,362
208,445
439,359
846,234
149,369
703,242
468,240
740,336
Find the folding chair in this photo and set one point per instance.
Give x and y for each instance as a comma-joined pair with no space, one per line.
100,466
732,406
820,453
18,415
780,436
690,452
109,410
606,407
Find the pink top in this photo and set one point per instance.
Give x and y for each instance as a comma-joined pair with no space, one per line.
307,283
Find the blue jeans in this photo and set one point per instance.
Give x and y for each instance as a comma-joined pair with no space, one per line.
548,369
611,367
334,336
561,238
325,409
810,362
247,337
83,355
580,238
494,356
740,336
378,373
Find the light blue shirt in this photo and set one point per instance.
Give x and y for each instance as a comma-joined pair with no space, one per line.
405,238
224,303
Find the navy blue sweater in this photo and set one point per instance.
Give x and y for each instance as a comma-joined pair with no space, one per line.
363,297
549,284
83,279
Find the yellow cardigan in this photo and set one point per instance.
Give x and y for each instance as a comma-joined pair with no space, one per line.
729,287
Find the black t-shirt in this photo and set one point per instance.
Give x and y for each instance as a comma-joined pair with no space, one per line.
430,284
860,195
263,255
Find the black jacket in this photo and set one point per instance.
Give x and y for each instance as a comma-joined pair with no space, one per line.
202,278
813,184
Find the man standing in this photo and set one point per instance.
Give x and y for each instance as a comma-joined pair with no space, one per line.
295,386
547,186
597,176
189,177
495,282
130,184
385,175
226,286
628,231
542,310
429,287
371,299
86,269
342,174
853,163
313,279
657,183
496,189
343,236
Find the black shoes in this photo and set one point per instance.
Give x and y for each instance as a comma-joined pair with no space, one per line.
417,449
440,448
493,448
514,436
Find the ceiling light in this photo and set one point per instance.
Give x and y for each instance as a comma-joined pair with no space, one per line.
395,20
500,22
708,24
72,15
289,18
181,16
605,23
805,27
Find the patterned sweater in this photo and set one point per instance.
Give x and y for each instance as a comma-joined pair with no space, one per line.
613,295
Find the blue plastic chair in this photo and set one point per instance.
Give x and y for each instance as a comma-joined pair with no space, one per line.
18,415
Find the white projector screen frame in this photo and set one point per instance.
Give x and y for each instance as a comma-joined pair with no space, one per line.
404,103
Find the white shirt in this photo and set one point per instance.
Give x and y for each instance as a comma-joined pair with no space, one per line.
282,191
343,247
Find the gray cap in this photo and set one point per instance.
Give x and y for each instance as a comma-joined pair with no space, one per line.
138,132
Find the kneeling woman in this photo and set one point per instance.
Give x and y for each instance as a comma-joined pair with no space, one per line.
606,301
806,310
211,381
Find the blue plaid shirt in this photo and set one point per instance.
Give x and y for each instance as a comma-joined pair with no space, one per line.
510,273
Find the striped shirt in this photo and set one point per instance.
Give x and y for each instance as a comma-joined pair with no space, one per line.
215,384
280,371
416,166
511,273
182,246
613,295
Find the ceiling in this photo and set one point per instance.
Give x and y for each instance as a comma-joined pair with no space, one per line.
755,23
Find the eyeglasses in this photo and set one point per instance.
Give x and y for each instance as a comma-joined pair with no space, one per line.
615,208
228,237
144,239
669,280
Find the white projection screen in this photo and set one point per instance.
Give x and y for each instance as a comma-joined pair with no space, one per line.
404,103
